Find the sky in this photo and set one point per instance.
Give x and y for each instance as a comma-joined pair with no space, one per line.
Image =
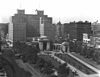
60,10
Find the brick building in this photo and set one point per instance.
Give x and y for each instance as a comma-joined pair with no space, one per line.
75,30
70,30
83,27
27,26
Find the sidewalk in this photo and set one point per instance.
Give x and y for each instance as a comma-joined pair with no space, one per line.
33,70
42,75
30,68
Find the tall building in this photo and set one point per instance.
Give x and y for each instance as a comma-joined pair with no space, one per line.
19,26
27,26
10,30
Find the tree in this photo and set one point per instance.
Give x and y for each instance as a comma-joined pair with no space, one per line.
29,53
63,71
11,67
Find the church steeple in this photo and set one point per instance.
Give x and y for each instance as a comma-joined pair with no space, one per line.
59,23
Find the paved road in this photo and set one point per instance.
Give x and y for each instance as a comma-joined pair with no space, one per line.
28,67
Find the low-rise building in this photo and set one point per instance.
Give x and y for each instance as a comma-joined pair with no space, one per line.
75,30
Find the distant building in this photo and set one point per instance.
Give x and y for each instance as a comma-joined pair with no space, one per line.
75,30
83,27
3,29
95,39
70,30
27,26
59,32
59,29
96,29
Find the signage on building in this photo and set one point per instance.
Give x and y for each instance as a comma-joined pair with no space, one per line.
85,38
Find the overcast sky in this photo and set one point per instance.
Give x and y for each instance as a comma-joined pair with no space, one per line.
63,10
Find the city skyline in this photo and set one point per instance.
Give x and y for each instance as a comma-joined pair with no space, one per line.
63,10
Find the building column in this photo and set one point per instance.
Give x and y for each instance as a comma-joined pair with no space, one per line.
48,46
41,46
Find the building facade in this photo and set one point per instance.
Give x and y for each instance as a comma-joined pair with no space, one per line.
70,30
27,26
95,39
3,30
19,26
59,29
75,30
83,27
